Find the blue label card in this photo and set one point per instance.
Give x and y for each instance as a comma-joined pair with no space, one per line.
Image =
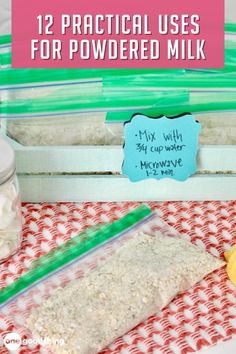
160,147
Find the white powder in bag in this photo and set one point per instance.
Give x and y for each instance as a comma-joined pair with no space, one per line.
138,280
90,129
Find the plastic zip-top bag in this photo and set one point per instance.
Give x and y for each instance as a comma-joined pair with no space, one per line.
51,107
5,40
64,113
104,282
81,119
67,129
216,113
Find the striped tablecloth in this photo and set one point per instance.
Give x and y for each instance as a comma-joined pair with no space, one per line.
200,317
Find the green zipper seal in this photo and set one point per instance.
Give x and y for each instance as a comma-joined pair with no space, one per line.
137,104
230,27
5,59
61,251
6,39
163,78
73,249
107,101
174,111
11,76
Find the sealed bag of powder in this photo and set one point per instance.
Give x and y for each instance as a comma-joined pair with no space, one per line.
107,281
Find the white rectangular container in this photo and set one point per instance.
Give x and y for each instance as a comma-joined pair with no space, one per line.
93,173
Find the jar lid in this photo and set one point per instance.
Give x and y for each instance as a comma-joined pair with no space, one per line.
7,161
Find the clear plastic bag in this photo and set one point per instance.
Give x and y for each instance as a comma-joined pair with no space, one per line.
56,123
41,107
93,290
216,111
100,122
62,130
218,128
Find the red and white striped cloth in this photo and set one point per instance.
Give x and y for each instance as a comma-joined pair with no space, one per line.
200,317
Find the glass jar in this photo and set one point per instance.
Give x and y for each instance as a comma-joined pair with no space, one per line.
10,204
